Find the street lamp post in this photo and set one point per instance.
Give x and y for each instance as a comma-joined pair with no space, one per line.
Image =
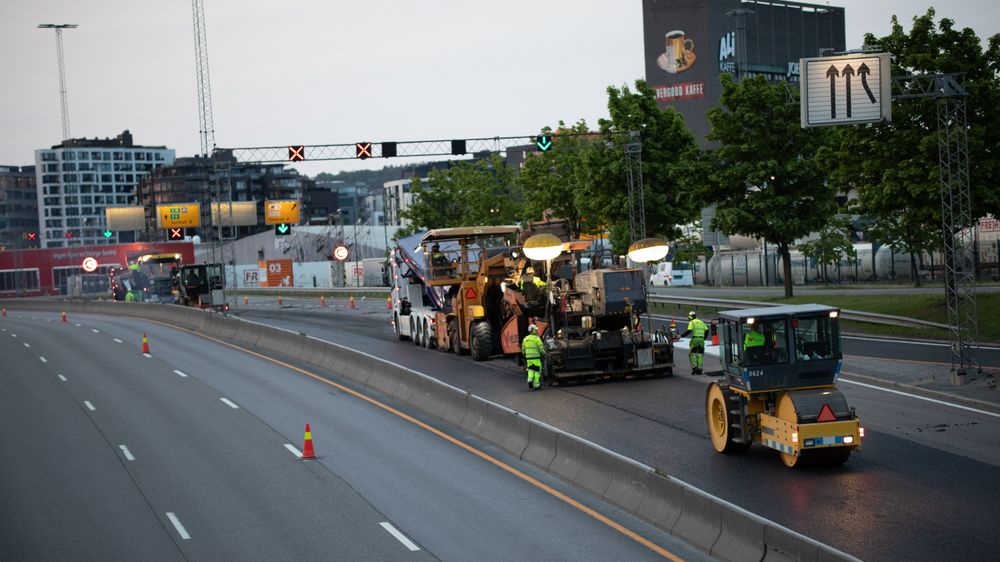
644,251
544,247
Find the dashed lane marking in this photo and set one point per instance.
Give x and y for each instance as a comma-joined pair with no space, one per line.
89,406
399,536
181,374
177,525
229,403
125,451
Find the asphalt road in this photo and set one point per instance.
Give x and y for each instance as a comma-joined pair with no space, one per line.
923,487
190,454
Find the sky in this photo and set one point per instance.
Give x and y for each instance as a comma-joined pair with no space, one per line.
333,71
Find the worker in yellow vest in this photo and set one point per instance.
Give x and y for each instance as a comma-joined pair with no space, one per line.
533,350
696,352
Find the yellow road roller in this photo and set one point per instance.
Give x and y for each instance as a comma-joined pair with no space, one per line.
778,385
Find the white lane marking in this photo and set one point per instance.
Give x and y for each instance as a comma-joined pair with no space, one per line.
44,360
13,335
918,397
147,356
4,329
77,325
400,536
95,330
126,452
927,343
34,318
180,373
118,340
48,319
294,451
177,525
89,406
62,378
229,403
26,344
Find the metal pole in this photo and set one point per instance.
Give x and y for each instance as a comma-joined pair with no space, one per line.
64,102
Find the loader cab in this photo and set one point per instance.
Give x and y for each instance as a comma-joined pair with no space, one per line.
794,346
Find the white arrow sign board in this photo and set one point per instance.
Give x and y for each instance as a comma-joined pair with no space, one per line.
845,90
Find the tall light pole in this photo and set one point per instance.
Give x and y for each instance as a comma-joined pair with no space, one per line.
58,27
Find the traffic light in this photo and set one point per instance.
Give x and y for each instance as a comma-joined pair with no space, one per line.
543,142
458,146
362,150
296,153
283,229
108,233
388,149
32,236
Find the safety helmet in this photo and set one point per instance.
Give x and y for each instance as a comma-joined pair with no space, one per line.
532,329
692,315
530,270
435,248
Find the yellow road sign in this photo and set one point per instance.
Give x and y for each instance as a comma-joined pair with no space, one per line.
178,215
281,212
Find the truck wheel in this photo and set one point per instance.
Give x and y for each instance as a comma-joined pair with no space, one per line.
428,339
481,343
399,332
414,331
453,337
719,419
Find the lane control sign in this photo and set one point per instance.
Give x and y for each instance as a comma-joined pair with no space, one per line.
847,89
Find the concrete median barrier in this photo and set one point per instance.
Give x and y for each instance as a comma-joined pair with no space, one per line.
741,537
541,447
506,428
629,481
566,464
701,519
383,377
596,468
661,505
475,415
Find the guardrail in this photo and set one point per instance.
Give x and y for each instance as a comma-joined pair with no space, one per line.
722,529
853,315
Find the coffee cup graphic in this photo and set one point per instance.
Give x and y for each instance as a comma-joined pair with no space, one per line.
678,53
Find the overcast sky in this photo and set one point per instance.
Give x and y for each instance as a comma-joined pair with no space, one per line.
337,71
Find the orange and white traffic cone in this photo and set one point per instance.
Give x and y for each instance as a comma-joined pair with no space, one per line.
279,300
388,302
322,301
715,332
5,312
307,447
352,304
246,299
64,317
145,343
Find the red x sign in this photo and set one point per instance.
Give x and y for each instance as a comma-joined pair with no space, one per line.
296,153
176,233
69,234
32,236
363,150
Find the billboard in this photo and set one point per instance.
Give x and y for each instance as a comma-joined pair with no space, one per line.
688,44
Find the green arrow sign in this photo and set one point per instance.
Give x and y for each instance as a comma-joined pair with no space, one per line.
108,234
283,229
543,143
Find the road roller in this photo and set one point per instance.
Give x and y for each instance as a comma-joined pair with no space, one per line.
778,383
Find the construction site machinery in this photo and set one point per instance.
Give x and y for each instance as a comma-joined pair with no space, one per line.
201,286
778,385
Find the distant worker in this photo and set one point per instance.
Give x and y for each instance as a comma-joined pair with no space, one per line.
533,350
439,261
529,277
696,351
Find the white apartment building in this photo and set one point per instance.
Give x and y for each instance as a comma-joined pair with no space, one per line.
398,197
80,177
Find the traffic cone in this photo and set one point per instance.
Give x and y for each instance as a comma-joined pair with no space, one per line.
279,300
5,312
352,304
246,299
322,301
307,448
388,302
145,343
64,317
715,332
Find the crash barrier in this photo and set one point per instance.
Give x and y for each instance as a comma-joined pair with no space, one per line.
853,315
723,530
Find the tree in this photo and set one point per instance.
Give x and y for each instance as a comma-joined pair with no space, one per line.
475,193
762,177
834,242
665,138
893,166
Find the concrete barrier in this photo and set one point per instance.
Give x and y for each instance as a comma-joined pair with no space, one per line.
701,519
629,481
475,415
596,468
566,464
782,546
383,377
741,537
506,428
661,505
541,447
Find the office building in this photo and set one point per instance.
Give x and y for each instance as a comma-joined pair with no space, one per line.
18,208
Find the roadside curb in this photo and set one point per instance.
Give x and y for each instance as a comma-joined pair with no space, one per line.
926,392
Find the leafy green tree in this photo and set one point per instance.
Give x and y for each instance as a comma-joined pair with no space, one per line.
893,166
475,193
834,242
763,177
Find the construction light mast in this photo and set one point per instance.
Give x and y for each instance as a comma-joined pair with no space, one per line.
58,27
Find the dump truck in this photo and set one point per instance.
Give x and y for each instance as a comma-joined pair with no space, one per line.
777,386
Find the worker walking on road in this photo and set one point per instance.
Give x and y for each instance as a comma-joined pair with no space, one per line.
696,353
533,352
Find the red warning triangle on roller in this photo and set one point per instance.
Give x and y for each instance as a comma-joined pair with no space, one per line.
826,414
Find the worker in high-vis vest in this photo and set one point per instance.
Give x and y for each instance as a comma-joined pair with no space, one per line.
533,352
696,352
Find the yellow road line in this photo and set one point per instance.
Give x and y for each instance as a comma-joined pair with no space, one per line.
497,462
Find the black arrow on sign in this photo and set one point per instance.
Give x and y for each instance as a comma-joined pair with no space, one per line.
863,72
848,72
832,73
